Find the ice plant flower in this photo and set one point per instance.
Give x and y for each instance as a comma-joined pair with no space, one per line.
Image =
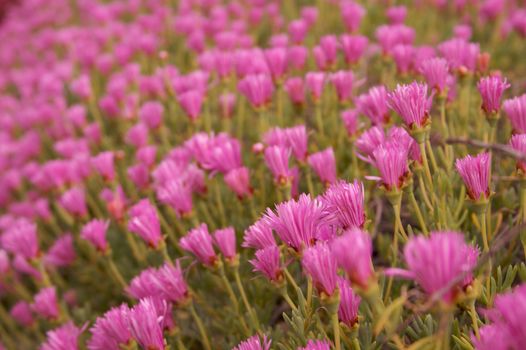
373,105
475,172
391,160
103,163
258,89
199,242
110,330
435,71
144,323
518,143
21,238
63,337
45,303
491,90
515,109
297,222
324,164
144,222
74,201
225,240
22,313
368,142
277,159
95,232
177,195
358,265
316,345
349,303
238,180
320,264
346,202
62,253
151,114
493,337
315,82
191,102
254,343
353,47
170,281
437,262
343,82
350,120
507,316
258,236
267,262
410,102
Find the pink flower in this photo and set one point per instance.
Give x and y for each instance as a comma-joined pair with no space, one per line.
491,90
137,135
396,14
177,195
353,47
435,262
139,174
324,164
475,172
297,57
391,160
103,163
350,120
74,201
518,143
352,14
22,313
267,262
277,159
353,251
191,103
373,105
62,252
410,102
257,88
316,345
151,114
515,108
170,281
145,325
110,330
258,236
199,242
435,71
346,202
460,54
297,222
493,337
329,45
62,338
389,36
343,83
45,303
315,82
403,56
225,240
95,233
349,303
144,285
298,30
254,343
143,221
508,317
227,102
369,141
320,264
238,180
296,90
277,62
21,238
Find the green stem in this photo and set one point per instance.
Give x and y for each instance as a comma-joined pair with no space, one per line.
431,156
319,119
253,317
309,291
200,327
116,273
425,165
220,205
336,329
287,298
418,212
474,319
482,222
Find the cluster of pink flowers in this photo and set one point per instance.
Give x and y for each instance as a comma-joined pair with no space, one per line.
156,157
